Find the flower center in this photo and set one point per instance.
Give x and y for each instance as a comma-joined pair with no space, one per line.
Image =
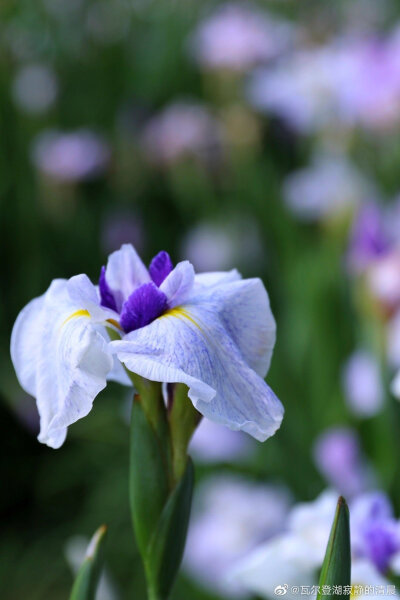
147,302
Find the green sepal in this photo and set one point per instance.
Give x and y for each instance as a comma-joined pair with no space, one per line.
148,479
88,576
336,568
165,551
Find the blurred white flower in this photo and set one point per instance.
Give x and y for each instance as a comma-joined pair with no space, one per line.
181,129
299,90
231,516
339,458
237,37
362,384
73,156
212,442
34,88
295,556
215,246
328,186
384,279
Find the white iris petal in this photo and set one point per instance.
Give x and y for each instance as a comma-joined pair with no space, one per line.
124,273
60,358
213,344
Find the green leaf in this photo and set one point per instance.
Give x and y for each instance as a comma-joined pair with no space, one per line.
88,576
336,568
148,476
165,552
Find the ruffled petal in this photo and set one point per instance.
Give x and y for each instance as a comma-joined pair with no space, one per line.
124,273
244,309
179,283
216,278
61,358
191,345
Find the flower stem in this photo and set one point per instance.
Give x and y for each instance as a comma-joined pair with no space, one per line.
183,420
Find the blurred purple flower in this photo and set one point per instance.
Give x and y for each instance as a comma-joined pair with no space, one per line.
34,88
374,530
368,238
295,556
215,443
347,83
299,89
181,129
212,246
362,384
232,517
329,185
70,157
237,37
120,227
369,91
337,455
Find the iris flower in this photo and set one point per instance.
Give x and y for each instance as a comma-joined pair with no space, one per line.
214,332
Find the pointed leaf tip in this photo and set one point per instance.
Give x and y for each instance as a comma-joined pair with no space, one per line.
88,576
336,568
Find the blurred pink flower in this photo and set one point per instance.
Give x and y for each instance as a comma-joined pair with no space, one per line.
237,37
362,384
384,280
70,157
181,129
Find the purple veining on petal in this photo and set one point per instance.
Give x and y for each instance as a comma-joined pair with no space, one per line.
106,295
144,305
160,267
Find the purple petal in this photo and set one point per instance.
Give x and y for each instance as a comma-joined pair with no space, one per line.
160,267
106,295
144,305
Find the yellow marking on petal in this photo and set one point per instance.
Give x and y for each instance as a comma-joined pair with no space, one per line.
115,323
77,313
179,313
